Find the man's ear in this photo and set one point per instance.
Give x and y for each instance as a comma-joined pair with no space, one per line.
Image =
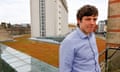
96,27
78,20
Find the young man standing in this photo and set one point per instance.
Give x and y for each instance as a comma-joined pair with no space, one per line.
78,51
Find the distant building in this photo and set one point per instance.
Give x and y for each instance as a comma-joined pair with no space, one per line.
49,18
102,26
71,27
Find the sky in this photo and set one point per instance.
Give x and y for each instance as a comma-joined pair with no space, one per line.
74,5
15,11
18,11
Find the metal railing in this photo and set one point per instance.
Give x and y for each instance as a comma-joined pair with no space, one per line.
112,60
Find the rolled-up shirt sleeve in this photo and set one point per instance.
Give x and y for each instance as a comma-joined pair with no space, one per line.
66,54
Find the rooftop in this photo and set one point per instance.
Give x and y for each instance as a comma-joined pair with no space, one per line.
42,50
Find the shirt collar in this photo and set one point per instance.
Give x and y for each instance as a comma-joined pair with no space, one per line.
81,34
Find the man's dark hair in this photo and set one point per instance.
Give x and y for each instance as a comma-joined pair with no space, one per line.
87,10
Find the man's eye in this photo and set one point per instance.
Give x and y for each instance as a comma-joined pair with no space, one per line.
95,19
88,19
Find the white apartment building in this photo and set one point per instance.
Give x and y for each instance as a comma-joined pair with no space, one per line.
48,18
102,26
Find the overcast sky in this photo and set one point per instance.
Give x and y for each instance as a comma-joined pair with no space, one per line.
15,11
74,5
18,11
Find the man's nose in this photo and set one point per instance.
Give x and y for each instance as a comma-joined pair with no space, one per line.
93,22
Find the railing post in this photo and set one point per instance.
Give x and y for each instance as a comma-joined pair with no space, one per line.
0,59
106,56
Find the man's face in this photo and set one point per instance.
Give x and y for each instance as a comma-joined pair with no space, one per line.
88,24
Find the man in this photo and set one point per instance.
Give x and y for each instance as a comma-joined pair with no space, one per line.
78,51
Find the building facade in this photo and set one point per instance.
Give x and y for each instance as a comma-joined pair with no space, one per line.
113,27
48,18
71,27
102,26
